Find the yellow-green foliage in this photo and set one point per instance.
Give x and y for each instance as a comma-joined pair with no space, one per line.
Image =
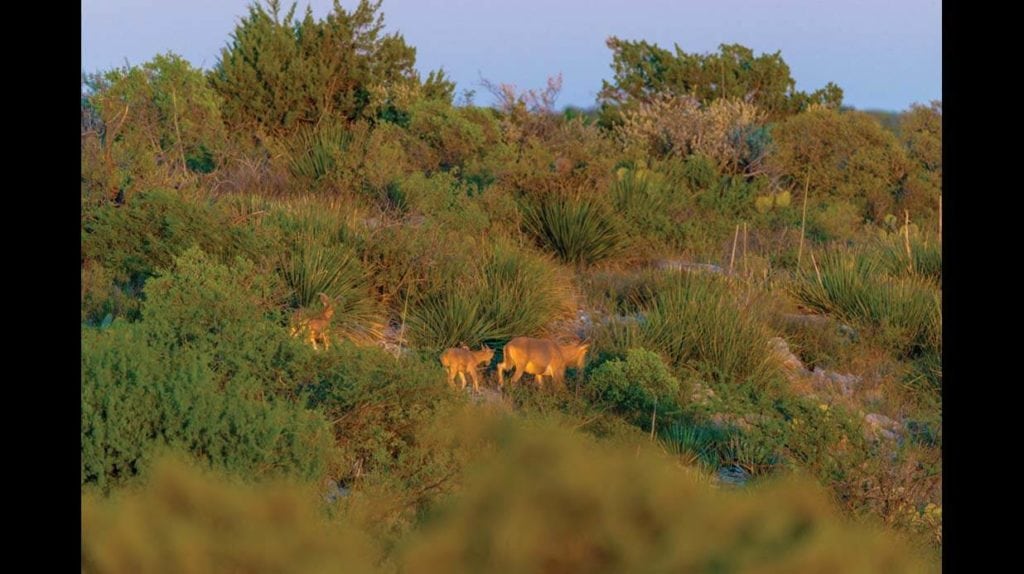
921,133
556,502
187,522
160,120
534,497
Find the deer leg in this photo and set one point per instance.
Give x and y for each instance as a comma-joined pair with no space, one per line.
518,375
462,377
501,374
451,377
476,383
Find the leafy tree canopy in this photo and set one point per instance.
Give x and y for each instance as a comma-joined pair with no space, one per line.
643,70
279,73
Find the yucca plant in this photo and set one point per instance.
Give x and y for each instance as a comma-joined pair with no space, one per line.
701,324
505,293
578,231
853,286
319,264
315,151
449,318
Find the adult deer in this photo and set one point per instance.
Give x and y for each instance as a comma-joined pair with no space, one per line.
461,360
541,358
318,325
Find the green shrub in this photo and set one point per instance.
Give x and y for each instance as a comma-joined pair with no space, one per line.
700,172
841,155
137,400
135,239
160,121
316,151
649,204
383,409
226,312
637,385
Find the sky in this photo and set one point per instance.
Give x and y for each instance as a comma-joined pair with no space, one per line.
885,54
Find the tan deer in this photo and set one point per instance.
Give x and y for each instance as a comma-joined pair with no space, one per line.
317,326
541,358
462,360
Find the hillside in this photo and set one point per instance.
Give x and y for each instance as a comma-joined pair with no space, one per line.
277,251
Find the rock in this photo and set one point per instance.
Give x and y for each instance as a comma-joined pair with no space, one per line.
789,360
679,265
701,394
335,491
831,380
883,426
733,475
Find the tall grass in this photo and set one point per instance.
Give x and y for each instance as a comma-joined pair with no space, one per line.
924,260
577,231
701,322
905,311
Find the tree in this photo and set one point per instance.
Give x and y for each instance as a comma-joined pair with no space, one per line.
921,134
844,155
643,71
278,74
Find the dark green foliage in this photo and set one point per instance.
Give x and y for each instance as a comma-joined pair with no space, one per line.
578,231
380,405
224,312
700,172
133,240
642,70
137,399
281,73
637,385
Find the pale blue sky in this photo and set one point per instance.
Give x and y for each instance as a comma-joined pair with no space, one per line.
885,54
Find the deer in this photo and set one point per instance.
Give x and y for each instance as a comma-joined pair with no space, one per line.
317,326
461,360
541,358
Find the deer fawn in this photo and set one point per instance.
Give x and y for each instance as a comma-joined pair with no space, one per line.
317,326
459,361
541,358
